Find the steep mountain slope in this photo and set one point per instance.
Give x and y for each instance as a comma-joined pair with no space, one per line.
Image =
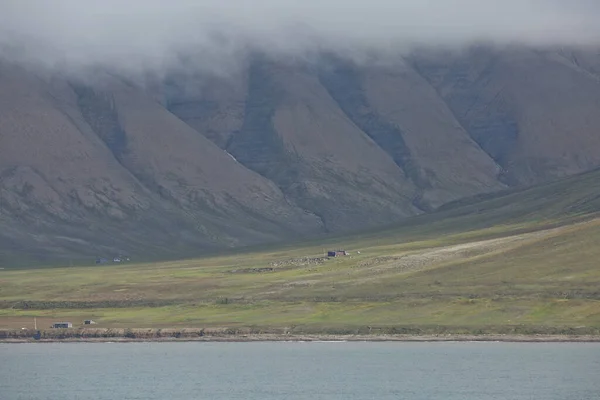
294,133
185,168
113,170
280,148
406,117
534,114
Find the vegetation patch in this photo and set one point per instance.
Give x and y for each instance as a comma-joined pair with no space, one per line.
449,274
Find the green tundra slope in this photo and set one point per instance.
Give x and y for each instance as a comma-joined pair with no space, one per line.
520,262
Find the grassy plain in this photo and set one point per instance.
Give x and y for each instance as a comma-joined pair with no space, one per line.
523,262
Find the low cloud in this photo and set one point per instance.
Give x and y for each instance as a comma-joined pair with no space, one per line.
160,34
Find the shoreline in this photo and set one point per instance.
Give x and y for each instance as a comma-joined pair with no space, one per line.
321,338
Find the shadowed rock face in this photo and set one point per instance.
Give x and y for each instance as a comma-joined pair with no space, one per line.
489,119
256,144
281,149
345,83
533,112
100,113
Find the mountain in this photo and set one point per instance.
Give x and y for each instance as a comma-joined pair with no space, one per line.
99,163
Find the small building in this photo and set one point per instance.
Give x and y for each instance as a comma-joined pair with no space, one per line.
101,261
62,325
117,259
89,322
337,253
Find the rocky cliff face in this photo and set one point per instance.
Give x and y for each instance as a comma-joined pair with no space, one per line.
280,149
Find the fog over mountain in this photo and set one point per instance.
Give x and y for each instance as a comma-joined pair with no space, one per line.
165,128
152,34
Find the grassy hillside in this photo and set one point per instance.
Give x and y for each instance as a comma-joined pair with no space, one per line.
521,262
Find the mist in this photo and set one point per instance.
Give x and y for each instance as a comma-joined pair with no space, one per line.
154,35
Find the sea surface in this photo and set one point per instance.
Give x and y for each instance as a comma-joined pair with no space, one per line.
252,371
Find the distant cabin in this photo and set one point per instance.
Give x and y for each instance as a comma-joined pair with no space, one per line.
337,253
62,325
89,322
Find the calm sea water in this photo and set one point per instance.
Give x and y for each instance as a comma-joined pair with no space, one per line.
427,371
